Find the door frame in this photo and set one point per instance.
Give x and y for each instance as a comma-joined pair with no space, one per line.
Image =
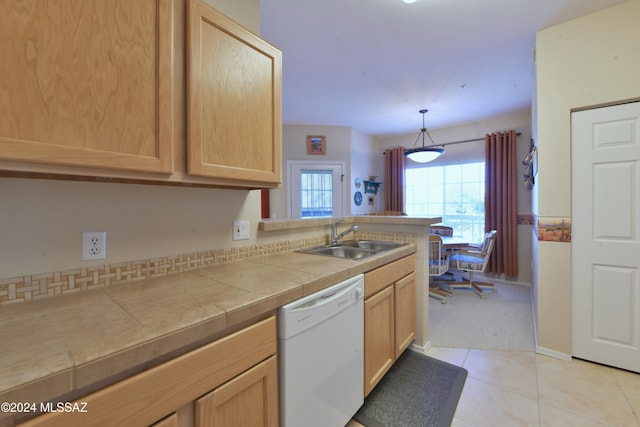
339,168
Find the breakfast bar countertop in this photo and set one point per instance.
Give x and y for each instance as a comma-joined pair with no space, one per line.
73,344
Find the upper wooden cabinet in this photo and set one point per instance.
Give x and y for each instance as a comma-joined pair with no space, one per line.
154,91
233,100
87,83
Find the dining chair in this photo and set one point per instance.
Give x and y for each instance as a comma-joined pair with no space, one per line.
438,265
445,231
473,259
441,230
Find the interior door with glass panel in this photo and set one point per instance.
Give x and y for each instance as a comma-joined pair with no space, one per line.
316,189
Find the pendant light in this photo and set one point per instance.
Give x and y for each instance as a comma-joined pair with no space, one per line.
423,154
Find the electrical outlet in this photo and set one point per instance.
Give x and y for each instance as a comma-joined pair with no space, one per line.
241,230
94,245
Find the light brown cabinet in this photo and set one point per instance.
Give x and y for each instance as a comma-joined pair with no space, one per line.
232,381
80,86
234,100
389,317
159,97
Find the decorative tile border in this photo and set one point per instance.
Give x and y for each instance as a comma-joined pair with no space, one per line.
47,285
525,218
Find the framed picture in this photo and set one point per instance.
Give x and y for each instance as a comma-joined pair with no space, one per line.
316,144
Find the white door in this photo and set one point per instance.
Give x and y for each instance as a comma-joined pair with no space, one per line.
605,248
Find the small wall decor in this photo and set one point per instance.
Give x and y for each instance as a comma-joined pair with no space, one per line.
530,163
371,187
357,198
316,144
358,182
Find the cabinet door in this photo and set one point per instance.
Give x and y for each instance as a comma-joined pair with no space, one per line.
234,100
170,421
229,405
87,83
379,331
405,308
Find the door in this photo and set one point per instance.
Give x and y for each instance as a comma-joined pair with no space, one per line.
316,189
234,98
405,310
87,84
229,404
606,235
379,339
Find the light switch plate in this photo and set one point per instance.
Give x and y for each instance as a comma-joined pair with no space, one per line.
241,230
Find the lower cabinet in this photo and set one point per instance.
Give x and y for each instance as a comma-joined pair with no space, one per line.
232,381
247,400
389,317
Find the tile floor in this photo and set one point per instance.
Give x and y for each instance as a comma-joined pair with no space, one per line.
508,388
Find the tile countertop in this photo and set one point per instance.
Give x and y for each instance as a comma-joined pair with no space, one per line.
71,345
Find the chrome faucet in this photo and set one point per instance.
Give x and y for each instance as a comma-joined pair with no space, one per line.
334,231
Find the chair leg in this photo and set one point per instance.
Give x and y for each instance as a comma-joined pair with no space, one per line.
487,286
477,287
468,284
439,294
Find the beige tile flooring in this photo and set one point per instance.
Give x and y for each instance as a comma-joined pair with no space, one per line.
526,389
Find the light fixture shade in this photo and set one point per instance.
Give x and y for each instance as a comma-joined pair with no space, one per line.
424,154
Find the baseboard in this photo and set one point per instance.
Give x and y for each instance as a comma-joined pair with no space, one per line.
420,349
553,353
500,280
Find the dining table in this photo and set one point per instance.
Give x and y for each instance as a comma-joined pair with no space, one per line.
453,242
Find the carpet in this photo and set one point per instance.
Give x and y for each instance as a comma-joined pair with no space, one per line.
502,321
418,390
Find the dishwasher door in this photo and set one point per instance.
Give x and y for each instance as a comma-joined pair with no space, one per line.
321,356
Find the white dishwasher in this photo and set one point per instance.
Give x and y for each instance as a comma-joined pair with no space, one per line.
321,356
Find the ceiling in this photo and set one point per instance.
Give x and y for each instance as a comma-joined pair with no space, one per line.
373,64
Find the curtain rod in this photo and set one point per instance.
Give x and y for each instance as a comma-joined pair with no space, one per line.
463,141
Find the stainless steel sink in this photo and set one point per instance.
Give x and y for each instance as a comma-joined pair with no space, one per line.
340,252
352,249
374,245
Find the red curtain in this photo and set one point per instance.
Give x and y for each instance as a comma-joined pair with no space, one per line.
394,179
501,201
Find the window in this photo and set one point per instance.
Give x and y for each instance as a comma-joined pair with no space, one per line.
316,197
316,189
454,192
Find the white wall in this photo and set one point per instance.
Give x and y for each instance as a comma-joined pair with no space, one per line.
585,62
364,164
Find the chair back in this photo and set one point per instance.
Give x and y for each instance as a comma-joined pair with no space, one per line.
438,261
488,242
477,258
441,230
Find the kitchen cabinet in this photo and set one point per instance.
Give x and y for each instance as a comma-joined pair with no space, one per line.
177,94
389,317
232,381
234,100
405,313
81,86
